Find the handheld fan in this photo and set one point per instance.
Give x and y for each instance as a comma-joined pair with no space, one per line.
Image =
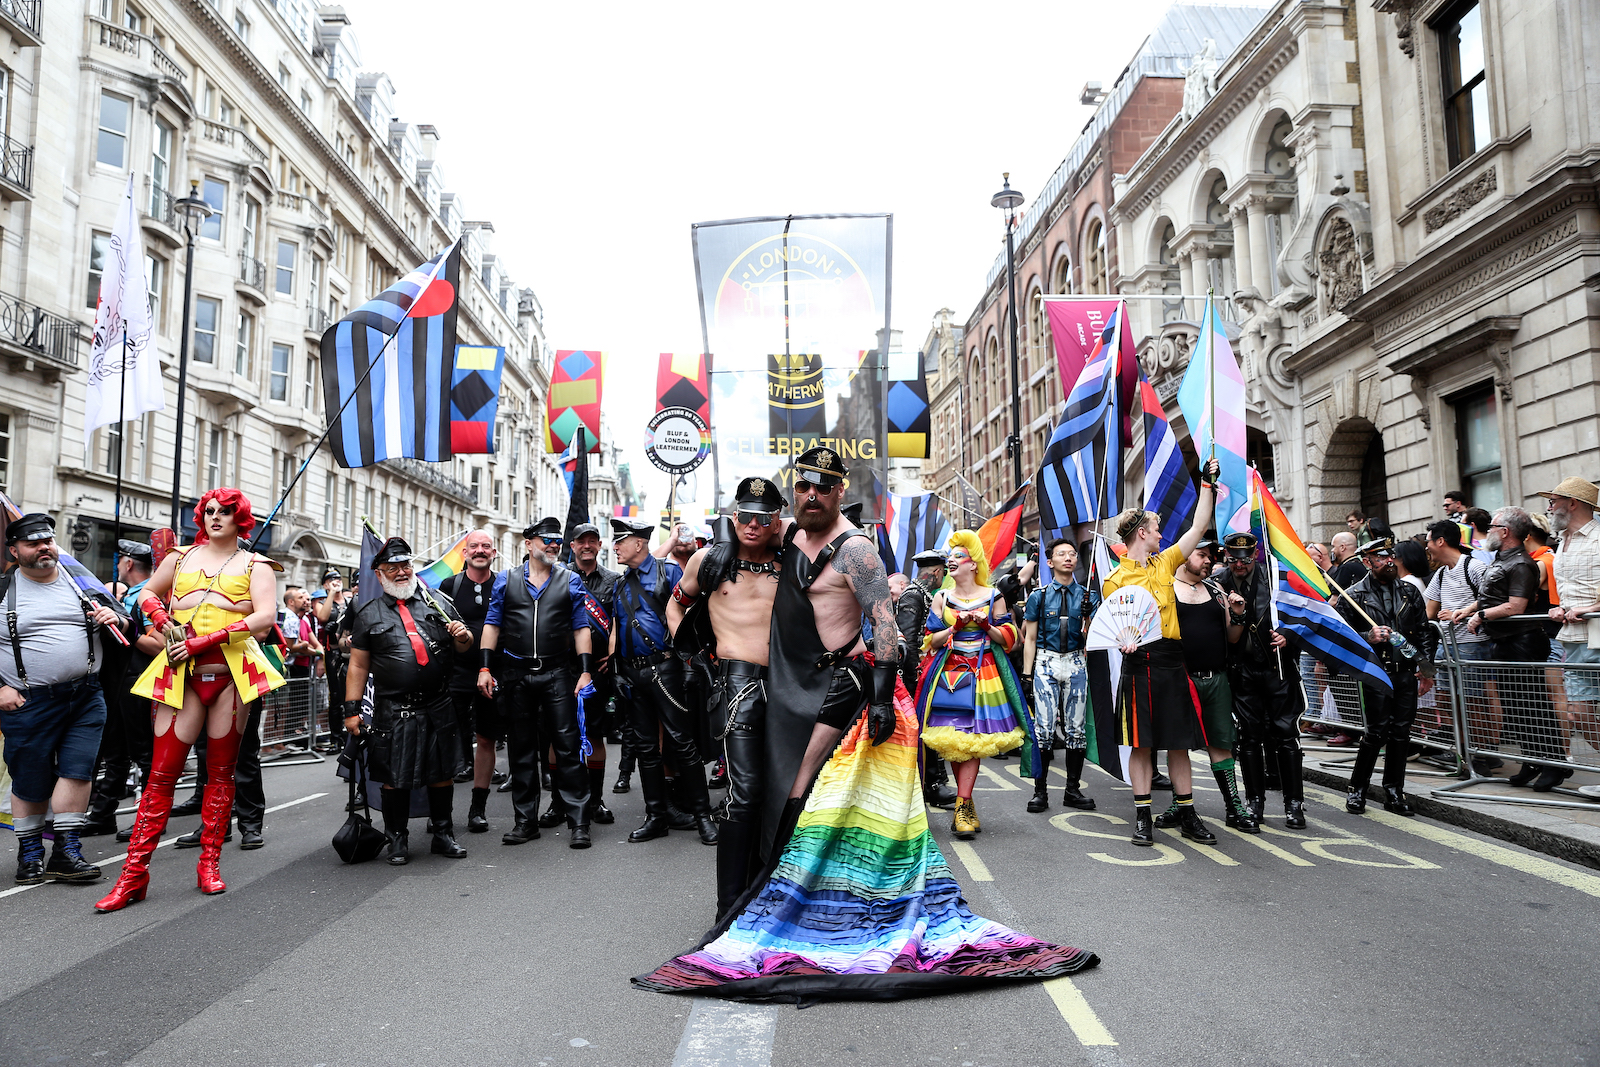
1127,617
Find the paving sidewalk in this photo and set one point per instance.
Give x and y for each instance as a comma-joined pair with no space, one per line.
1569,833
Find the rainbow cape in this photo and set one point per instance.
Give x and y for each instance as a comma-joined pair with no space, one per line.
450,563
861,904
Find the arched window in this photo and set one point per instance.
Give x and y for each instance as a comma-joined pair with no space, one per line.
1062,281
1094,259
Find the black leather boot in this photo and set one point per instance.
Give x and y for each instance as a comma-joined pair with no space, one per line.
441,799
624,773
936,790
1040,801
1238,816
396,813
1144,833
1291,775
1072,796
520,833
555,814
1252,768
654,782
1395,800
66,859
1171,817
1355,801
188,807
598,812
707,829
477,821
736,846
1190,826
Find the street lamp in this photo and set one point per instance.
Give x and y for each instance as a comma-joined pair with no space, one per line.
1008,200
194,211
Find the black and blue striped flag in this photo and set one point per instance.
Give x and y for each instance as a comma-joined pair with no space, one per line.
401,401
912,523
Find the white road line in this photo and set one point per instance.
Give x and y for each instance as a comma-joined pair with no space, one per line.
972,861
721,1034
110,860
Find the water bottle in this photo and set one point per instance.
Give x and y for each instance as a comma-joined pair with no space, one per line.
1402,646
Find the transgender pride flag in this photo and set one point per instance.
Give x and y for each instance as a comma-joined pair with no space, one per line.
1212,400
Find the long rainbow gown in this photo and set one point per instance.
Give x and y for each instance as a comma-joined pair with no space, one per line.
861,904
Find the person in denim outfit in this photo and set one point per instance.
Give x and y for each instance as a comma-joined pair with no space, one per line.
1055,672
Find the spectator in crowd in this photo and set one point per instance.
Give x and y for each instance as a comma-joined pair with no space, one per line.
1356,523
1455,505
1319,555
1577,574
1347,566
1479,520
301,633
1456,582
1411,559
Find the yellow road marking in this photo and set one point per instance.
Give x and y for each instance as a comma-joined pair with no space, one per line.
1210,852
1343,836
1073,1008
972,861
985,771
1268,846
1505,857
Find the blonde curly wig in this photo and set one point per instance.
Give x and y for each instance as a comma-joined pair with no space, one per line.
968,541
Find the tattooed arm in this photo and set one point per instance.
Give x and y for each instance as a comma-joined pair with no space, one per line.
861,566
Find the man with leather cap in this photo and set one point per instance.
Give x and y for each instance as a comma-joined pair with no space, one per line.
540,615
1263,674
650,679
734,582
911,616
820,671
1391,607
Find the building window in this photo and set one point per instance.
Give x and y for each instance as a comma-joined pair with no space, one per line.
1478,447
1466,93
241,344
311,386
214,457
305,102
99,244
132,20
496,501
285,77
215,193
241,26
288,251
111,148
516,504
279,386
371,503
207,314
330,498
475,482
1094,259
347,519
252,223
160,168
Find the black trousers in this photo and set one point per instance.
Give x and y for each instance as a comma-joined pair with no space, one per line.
1528,717
336,707
1389,718
249,796
1267,710
739,713
659,708
539,708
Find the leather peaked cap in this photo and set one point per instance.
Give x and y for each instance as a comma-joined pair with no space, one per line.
584,528
394,550
821,467
136,550
549,526
1240,545
34,526
759,495
1378,544
930,558
621,529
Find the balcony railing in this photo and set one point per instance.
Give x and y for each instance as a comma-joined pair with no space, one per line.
252,272
26,14
16,161
37,330
120,39
233,137
317,320
424,473
159,204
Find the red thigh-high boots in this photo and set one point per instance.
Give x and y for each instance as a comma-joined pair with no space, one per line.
155,803
222,753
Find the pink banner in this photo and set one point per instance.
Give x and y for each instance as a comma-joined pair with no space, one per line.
1075,326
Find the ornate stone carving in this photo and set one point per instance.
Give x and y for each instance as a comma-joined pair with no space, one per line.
1200,79
1401,10
1456,204
1339,264
1419,386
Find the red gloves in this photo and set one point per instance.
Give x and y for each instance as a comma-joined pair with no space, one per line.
151,606
197,645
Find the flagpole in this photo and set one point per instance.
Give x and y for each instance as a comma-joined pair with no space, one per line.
122,448
1211,401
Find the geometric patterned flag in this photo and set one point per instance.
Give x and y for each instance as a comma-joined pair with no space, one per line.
475,398
910,421
1080,480
1212,391
392,360
683,381
912,523
1168,490
576,383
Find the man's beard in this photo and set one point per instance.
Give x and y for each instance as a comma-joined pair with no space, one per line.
399,590
821,518
1492,541
1559,518
43,562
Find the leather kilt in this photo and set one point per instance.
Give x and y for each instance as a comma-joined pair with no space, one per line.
413,742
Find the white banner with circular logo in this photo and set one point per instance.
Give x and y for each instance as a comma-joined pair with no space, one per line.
677,440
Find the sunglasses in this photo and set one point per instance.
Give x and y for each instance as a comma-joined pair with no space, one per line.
802,487
760,518
551,540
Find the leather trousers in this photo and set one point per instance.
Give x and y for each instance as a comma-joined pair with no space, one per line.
1389,720
539,709
739,713
1267,709
657,707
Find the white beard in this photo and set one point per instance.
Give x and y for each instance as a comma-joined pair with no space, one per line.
399,590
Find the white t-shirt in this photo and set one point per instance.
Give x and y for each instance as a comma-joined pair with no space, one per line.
1456,587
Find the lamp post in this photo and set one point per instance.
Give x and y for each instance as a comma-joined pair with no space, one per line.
1008,200
194,211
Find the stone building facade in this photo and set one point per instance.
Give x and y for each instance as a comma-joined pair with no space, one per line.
323,195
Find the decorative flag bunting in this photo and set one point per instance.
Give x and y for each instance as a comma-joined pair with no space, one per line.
1302,595
625,511
1214,387
475,398
1168,489
910,418
684,381
80,574
402,408
454,561
912,523
576,384
1076,328
1081,479
124,372
999,533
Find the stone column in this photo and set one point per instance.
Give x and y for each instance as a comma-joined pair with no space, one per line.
1186,274
1199,265
1256,207
1243,260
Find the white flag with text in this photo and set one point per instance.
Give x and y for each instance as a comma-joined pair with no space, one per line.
124,369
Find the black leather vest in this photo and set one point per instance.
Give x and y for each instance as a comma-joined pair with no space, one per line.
537,629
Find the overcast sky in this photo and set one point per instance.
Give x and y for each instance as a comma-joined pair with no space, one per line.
592,135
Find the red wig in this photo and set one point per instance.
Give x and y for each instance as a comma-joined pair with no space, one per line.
243,517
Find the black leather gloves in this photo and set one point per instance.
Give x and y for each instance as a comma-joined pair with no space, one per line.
880,707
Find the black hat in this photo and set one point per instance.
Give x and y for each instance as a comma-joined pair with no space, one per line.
759,495
821,467
931,558
1240,545
394,550
331,572
137,551
852,512
621,529
1206,545
549,526
34,526
585,528
1379,545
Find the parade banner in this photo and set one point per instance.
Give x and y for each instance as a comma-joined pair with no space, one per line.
910,416
577,382
475,398
682,382
1076,325
795,311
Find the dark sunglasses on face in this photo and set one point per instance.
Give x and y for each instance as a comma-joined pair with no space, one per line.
760,518
802,487
551,540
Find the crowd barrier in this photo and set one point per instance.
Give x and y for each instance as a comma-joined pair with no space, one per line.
291,717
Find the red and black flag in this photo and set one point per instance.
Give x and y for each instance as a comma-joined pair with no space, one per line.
1000,532
684,381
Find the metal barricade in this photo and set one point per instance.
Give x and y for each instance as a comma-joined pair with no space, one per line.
290,717
1540,712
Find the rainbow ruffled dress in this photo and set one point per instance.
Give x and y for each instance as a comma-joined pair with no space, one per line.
861,904
969,701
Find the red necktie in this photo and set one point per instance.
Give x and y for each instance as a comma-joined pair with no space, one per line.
411,632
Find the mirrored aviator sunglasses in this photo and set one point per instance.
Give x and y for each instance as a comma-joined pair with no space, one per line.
760,518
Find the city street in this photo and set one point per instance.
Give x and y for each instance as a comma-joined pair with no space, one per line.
1370,940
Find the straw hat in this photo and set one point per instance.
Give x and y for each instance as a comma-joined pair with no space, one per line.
1577,489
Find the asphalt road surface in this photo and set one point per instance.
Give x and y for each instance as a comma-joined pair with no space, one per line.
1371,940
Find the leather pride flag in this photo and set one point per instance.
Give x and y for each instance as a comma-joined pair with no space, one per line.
475,398
684,381
392,359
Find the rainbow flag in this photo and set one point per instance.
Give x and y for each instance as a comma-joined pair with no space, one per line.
1300,602
452,562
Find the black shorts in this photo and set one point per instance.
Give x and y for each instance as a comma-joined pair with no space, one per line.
847,694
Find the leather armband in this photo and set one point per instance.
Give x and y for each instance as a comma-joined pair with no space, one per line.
154,611
484,656
586,663
352,709
681,597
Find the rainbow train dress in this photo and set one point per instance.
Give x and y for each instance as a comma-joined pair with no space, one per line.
969,701
860,904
